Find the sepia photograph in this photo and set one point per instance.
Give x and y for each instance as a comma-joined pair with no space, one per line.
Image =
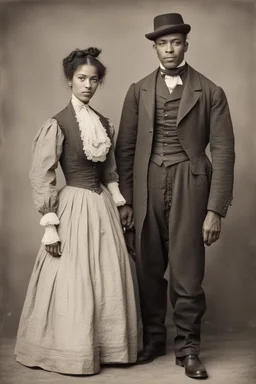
127,191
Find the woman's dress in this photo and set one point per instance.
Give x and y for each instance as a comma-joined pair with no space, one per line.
80,310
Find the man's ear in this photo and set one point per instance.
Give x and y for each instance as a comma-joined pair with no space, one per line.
186,46
154,46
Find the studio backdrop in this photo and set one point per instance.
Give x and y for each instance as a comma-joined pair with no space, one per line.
36,36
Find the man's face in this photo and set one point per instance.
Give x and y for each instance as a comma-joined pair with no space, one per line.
171,49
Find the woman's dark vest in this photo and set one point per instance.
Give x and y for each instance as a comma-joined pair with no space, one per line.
78,170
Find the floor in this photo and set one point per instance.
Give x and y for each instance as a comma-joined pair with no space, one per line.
230,359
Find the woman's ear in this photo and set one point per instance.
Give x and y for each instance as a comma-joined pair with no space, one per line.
70,83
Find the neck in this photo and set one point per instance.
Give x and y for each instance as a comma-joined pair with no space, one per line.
180,65
77,101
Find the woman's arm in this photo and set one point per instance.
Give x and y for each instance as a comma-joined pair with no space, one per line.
46,151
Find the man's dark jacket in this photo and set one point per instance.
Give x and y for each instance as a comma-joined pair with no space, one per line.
203,118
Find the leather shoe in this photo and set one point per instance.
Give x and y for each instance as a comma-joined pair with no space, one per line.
150,352
193,366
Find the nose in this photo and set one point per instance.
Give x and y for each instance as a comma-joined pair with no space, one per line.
87,84
169,47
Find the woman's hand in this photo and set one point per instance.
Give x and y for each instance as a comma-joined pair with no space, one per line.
54,249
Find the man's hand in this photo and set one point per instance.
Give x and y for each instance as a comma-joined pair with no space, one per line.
211,227
126,217
54,249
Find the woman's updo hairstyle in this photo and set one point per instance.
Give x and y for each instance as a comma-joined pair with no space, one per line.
80,57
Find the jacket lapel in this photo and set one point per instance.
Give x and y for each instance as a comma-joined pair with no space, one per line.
191,93
148,94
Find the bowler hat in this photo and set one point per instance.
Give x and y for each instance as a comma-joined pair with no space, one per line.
168,23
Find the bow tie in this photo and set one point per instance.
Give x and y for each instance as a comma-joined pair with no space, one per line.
178,71
172,82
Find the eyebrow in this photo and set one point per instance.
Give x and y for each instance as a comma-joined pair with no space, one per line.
171,40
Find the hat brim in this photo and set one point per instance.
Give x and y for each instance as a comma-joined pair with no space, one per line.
179,28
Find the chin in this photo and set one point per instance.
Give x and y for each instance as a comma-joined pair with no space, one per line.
170,65
85,99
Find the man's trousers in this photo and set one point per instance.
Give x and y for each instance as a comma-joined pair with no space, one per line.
172,233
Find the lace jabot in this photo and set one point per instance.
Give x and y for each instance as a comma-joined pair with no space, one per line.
96,143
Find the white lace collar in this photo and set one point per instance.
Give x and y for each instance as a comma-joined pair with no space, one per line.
96,142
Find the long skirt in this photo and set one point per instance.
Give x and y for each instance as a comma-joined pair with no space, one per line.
80,309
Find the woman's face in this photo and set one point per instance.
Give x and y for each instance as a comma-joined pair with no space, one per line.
85,82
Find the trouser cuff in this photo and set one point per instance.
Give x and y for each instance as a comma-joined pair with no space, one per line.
187,351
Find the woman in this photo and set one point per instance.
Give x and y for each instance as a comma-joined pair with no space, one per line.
80,307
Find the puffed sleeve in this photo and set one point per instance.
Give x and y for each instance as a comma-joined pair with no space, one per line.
46,151
110,176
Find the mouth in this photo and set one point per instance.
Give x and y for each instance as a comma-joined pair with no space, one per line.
170,58
86,93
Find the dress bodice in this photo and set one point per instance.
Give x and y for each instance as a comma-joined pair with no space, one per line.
78,170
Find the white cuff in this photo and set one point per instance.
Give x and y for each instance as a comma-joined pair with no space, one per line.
49,219
51,235
116,194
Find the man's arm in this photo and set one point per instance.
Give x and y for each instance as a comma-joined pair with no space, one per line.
223,158
125,151
126,143
223,154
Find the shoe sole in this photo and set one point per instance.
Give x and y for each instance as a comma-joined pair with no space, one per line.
197,377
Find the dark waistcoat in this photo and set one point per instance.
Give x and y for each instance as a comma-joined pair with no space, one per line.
78,170
166,146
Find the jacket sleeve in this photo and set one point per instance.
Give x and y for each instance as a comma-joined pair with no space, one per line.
126,143
223,154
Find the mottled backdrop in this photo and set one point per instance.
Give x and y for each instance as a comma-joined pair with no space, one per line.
35,36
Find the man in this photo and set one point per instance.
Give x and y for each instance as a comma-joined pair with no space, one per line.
176,195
